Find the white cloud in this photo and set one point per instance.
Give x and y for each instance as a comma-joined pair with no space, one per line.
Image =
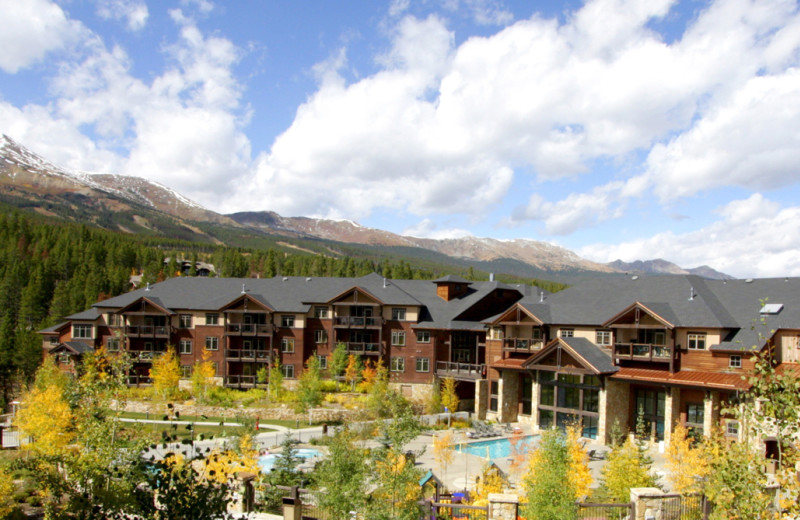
754,238
134,12
32,29
427,228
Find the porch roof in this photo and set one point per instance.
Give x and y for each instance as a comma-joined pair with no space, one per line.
722,381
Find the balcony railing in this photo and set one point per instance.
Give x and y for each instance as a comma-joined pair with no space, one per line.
460,370
147,331
522,344
643,352
364,348
235,354
248,329
136,380
146,356
357,321
240,381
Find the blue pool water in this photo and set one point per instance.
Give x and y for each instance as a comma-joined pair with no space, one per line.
266,462
496,448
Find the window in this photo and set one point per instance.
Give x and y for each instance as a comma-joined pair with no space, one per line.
526,397
735,362
212,319
399,313
493,393
321,312
694,416
423,336
112,344
54,340
186,371
563,398
398,364
82,331
398,338
603,337
113,320
732,428
212,343
288,371
185,346
323,362
423,364
287,321
287,345
320,336
697,341
185,321
567,333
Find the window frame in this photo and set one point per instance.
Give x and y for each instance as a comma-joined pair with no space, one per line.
286,369
694,338
288,321
399,313
322,361
320,336
287,345
212,318
603,332
423,333
566,333
212,343
322,312
182,350
186,371
113,344
397,364
735,361
397,337
185,321
732,428
426,361
83,327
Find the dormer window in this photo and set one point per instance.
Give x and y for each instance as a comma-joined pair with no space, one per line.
398,313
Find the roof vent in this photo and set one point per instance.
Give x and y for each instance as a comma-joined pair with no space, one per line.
635,277
771,308
244,289
285,278
308,279
541,297
691,293
148,287
749,280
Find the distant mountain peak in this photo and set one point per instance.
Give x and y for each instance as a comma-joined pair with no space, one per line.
661,266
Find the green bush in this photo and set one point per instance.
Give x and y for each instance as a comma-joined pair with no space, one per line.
329,386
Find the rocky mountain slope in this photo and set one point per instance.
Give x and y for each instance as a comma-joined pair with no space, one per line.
136,205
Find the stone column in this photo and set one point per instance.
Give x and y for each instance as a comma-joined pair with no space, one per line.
481,398
509,396
710,412
503,506
614,408
535,393
292,506
672,409
645,508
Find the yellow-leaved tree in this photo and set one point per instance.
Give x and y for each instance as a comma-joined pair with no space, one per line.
687,463
221,466
203,375
46,418
490,481
7,503
352,374
449,396
443,450
166,373
579,474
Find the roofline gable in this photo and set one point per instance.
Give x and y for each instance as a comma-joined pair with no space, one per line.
247,297
517,307
354,288
151,302
640,306
560,344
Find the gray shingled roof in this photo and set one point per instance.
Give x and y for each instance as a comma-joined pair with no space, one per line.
597,357
90,314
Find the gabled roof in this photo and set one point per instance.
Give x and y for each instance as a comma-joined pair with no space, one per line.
87,315
515,313
155,301
451,278
255,298
591,357
75,347
661,312
55,329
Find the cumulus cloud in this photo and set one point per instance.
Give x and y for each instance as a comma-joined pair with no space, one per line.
133,12
427,228
753,237
32,29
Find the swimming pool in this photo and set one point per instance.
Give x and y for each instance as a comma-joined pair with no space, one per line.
266,462
497,448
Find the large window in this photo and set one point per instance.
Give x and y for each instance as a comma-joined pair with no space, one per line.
398,364
398,313
569,398
185,346
696,341
649,410
287,321
526,395
82,331
494,390
423,364
212,343
398,338
694,417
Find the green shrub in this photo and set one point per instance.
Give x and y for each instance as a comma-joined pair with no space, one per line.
329,386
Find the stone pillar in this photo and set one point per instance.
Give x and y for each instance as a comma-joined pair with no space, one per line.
292,506
535,396
672,409
614,403
710,412
509,397
481,398
645,509
503,506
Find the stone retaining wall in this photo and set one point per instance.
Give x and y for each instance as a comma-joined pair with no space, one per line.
283,412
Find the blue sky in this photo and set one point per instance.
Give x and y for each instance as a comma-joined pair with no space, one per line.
616,128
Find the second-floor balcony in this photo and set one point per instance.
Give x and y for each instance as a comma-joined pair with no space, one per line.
147,331
461,371
236,354
522,344
248,329
356,321
363,348
643,352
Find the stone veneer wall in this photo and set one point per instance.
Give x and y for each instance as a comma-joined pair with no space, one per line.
672,412
509,397
711,406
481,398
614,407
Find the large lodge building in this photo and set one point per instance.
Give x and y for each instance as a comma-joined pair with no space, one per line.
662,350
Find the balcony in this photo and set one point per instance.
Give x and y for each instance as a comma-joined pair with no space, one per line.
144,356
235,354
373,349
460,371
147,331
248,329
522,344
241,381
643,352
354,322
136,380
